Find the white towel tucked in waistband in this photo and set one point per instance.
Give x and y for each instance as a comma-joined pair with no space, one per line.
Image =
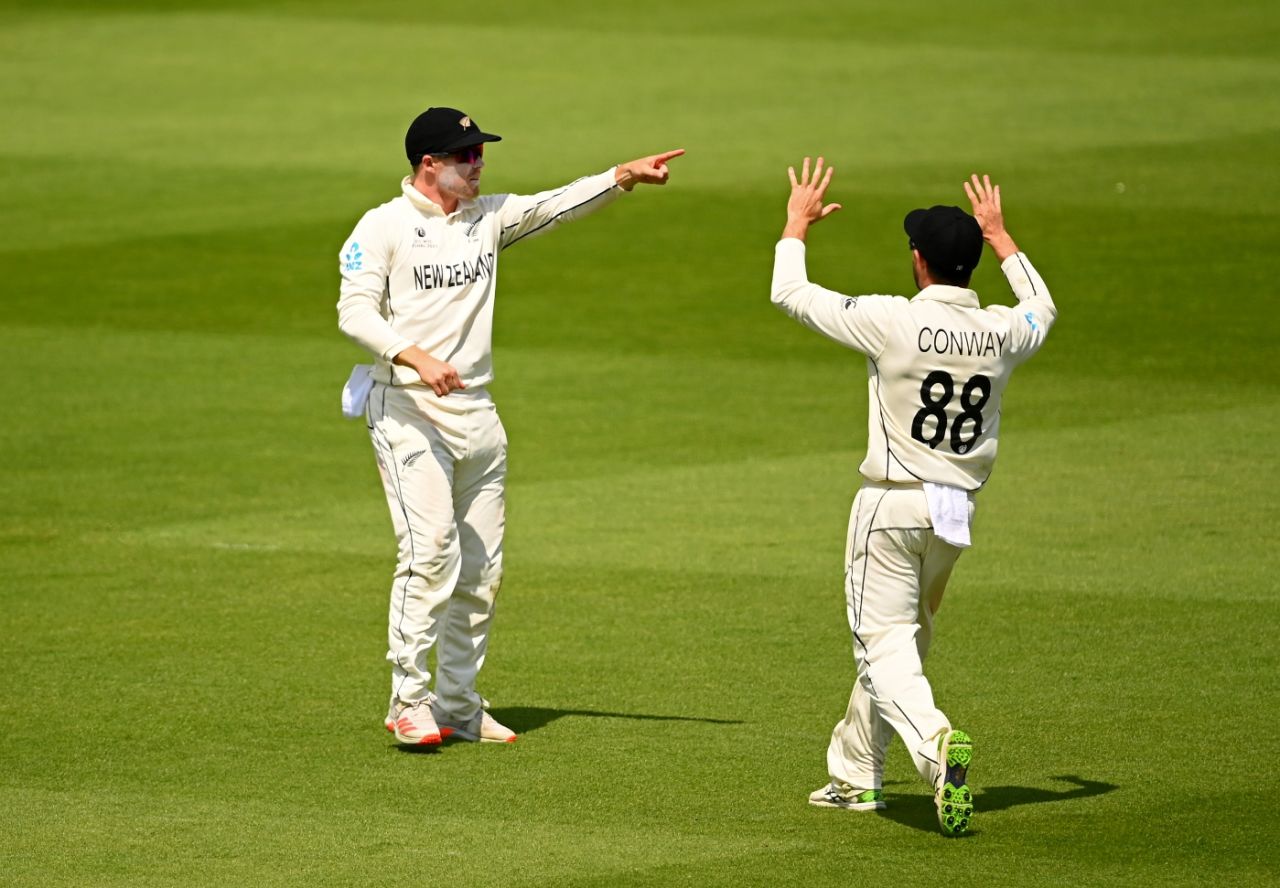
949,509
356,391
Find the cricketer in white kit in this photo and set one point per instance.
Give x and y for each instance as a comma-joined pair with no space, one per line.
418,282
937,366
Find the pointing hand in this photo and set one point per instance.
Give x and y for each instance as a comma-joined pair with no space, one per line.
651,170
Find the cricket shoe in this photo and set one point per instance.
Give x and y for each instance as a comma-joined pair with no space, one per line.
848,798
952,796
390,720
414,725
484,728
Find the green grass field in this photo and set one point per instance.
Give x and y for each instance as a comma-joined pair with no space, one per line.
195,552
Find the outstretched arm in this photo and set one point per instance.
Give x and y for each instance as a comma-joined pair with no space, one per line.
522,216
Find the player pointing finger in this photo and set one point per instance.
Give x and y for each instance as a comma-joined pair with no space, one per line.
651,170
418,285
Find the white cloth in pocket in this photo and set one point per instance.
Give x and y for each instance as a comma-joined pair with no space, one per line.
949,509
356,392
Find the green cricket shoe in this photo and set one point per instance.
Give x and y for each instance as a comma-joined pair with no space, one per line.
952,796
847,798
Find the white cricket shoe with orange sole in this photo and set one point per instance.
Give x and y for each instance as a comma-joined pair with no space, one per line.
484,728
414,725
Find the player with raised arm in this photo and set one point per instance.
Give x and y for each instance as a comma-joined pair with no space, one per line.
937,366
418,284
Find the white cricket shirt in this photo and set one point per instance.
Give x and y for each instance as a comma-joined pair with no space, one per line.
414,275
937,365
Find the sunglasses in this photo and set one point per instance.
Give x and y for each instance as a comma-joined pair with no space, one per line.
470,154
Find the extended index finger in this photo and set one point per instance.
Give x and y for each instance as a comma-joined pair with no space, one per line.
662,158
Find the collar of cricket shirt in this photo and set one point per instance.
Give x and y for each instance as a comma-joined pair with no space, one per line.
949,294
425,204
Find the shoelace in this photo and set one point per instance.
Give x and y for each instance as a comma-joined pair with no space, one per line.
413,710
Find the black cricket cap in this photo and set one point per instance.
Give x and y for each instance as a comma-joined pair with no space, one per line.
443,131
948,238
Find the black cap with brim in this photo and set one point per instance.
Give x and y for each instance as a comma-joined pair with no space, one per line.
443,131
948,238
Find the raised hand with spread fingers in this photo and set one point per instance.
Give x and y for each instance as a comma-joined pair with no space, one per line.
805,206
985,199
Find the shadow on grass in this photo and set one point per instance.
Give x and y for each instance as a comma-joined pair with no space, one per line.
523,719
998,798
917,811
414,750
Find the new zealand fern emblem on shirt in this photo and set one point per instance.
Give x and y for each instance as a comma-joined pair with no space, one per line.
353,259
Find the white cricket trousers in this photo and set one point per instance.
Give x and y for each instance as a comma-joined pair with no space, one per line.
443,463
895,572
